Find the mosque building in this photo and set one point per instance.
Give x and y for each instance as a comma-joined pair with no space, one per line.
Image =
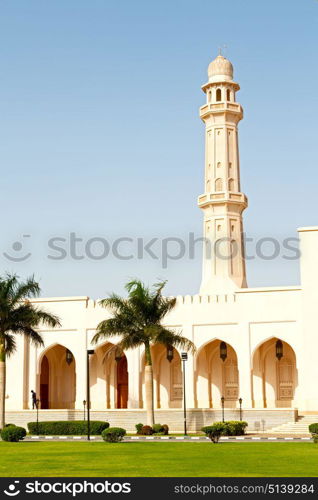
253,344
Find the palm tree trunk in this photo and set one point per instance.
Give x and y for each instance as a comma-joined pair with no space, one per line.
2,384
149,387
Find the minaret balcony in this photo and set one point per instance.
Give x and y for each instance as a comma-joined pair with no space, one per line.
221,198
221,107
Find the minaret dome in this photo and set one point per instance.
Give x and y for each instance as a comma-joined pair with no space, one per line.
220,69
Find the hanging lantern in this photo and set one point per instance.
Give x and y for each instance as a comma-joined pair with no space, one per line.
68,357
223,351
169,353
279,350
118,355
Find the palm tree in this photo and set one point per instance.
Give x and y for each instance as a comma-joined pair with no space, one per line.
18,316
137,321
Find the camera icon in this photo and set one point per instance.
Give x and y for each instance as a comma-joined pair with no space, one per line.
13,492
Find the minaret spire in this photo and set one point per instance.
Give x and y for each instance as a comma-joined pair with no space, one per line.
222,202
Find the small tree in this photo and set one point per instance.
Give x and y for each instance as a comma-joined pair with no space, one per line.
18,317
137,320
215,431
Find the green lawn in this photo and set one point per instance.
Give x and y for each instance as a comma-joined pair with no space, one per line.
158,459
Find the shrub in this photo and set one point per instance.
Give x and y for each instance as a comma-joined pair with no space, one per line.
13,433
67,427
146,430
235,427
313,429
165,429
229,428
215,431
113,434
160,429
139,427
157,428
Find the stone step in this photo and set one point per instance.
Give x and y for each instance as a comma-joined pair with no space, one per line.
299,427
257,419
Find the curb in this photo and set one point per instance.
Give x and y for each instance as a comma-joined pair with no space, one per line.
167,438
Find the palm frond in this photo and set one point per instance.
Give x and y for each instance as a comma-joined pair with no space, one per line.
26,290
169,337
34,336
137,318
17,314
47,319
114,302
9,344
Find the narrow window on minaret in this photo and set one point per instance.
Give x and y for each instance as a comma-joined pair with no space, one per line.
218,185
218,95
231,184
228,95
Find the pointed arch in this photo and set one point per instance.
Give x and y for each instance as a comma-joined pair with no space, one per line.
56,385
231,184
218,184
215,377
275,379
108,378
167,378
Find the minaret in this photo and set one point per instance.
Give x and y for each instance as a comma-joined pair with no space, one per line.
222,202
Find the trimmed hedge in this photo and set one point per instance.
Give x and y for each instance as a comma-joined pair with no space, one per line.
162,430
235,427
138,428
229,428
215,431
313,429
113,434
67,427
13,433
146,430
156,429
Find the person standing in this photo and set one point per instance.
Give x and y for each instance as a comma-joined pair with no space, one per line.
33,397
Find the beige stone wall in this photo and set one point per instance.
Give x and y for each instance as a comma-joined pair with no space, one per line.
249,322
196,419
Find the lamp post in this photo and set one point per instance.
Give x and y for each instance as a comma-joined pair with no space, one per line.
84,404
184,357
88,398
222,403
240,403
37,404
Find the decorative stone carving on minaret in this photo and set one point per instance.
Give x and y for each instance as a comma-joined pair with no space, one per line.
222,202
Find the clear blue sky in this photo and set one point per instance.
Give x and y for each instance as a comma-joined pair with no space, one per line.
100,133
